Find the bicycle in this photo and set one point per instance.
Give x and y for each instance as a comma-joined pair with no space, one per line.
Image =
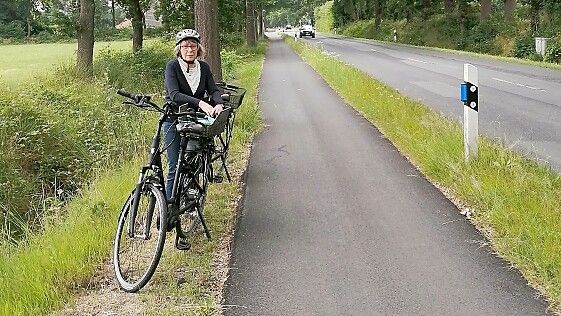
147,216
233,98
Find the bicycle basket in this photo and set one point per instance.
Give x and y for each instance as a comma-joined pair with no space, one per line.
219,123
236,94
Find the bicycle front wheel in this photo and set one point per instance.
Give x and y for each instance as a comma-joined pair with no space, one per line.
135,258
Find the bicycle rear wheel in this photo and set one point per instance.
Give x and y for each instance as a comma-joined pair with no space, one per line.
196,186
135,259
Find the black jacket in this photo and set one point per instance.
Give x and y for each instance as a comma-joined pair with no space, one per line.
178,90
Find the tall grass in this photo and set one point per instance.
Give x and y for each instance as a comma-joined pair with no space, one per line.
57,132
514,201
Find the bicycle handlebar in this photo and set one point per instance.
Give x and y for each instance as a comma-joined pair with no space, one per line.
143,101
126,94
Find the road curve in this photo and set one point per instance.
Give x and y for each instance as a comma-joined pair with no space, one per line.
520,104
334,221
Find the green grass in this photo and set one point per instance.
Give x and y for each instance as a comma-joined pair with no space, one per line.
38,277
516,202
42,274
20,63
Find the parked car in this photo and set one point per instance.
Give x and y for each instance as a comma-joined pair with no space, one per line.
288,27
307,30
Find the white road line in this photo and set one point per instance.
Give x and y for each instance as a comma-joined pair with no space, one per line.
419,61
518,84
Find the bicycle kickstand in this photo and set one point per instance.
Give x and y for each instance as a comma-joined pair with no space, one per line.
207,232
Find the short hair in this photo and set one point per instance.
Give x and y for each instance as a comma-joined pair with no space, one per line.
201,51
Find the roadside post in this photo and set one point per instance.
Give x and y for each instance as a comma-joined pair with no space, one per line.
469,95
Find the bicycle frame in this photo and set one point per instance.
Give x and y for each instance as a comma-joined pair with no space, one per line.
155,164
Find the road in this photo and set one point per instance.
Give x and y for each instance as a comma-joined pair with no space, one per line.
334,221
520,105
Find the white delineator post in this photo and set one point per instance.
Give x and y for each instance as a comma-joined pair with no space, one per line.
471,112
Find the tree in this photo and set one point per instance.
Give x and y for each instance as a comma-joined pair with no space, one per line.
135,10
485,12
250,23
378,12
449,6
85,27
206,23
509,6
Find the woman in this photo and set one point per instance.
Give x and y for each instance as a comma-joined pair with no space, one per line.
187,81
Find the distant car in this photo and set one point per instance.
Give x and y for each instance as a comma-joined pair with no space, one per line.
288,27
307,30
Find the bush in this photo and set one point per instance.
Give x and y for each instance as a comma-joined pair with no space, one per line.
524,46
12,30
553,51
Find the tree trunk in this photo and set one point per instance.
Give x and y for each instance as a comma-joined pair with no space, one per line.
378,11
535,8
84,54
206,23
449,6
29,26
250,23
462,10
509,6
485,9
137,25
113,12
261,22
426,9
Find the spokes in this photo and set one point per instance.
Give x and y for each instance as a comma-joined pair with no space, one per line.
135,255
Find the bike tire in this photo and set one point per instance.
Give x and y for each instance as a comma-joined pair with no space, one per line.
129,251
191,221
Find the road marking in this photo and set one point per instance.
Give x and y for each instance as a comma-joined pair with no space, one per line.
518,84
419,61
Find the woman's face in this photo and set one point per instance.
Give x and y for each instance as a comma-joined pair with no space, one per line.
189,49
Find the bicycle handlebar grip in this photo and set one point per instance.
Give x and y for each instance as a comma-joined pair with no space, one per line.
125,94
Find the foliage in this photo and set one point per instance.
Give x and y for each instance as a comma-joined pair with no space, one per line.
59,131
523,47
553,51
12,29
324,17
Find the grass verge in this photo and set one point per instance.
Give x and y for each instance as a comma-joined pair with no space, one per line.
515,202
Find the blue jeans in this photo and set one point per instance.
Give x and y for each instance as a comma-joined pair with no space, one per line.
171,141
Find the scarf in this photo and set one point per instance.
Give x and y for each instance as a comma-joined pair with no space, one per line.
192,75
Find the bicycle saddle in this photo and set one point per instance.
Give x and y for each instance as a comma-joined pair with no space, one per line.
190,127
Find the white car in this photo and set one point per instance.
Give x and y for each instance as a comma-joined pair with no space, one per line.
307,30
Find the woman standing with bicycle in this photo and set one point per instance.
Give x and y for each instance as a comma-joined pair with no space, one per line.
187,81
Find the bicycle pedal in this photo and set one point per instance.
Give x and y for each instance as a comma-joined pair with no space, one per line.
218,179
182,244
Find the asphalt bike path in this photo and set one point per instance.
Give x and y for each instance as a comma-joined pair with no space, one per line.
334,221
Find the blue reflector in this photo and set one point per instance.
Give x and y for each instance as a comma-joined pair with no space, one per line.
463,92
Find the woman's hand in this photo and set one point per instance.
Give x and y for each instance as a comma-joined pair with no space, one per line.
207,108
217,109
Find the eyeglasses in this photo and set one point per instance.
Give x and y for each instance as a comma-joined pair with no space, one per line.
191,47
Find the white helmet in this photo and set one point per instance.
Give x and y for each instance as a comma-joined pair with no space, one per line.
187,34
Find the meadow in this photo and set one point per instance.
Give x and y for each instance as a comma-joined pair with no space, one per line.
20,63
